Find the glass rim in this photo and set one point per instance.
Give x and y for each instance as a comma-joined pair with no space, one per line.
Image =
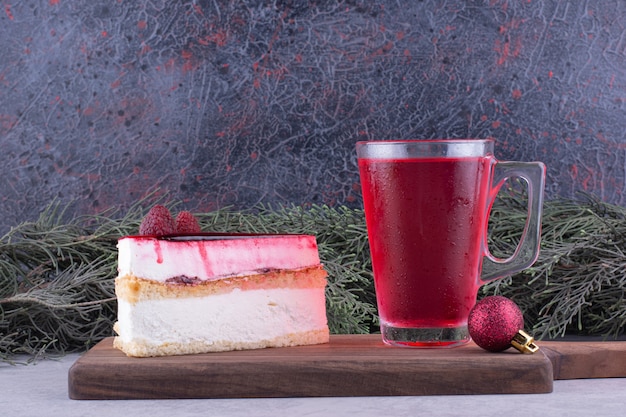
426,148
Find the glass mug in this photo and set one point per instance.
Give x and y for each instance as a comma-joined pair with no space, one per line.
427,204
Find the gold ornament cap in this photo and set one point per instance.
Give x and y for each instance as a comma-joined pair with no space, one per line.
524,342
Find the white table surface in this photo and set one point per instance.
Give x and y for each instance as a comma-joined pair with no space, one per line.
41,390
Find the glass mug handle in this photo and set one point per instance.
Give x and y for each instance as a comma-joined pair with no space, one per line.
533,173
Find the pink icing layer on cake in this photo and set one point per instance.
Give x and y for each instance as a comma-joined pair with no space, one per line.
208,257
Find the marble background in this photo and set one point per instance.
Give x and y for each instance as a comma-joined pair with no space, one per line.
233,103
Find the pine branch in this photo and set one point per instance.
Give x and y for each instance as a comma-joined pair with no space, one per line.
57,289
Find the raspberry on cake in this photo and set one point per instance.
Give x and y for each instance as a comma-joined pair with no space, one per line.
196,293
187,223
158,222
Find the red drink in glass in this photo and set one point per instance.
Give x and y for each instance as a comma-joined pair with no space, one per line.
426,211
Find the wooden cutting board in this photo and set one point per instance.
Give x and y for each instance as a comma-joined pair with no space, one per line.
586,359
350,365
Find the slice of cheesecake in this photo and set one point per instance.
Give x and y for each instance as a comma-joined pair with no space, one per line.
186,294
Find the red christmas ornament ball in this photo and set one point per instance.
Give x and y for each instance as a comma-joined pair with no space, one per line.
494,321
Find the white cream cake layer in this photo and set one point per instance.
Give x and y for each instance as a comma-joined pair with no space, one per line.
207,258
236,320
